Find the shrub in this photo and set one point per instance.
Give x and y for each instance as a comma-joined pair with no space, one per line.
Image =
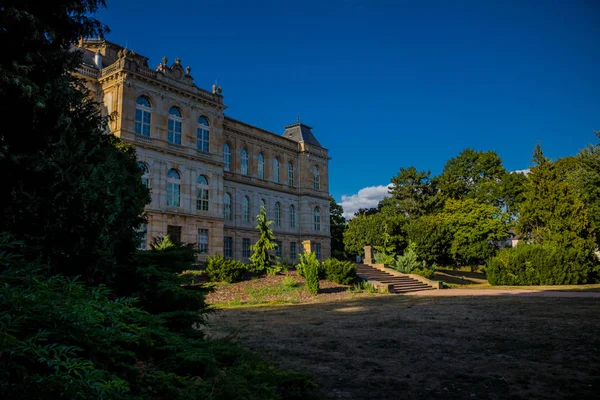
408,262
342,272
424,272
362,286
300,270
541,264
383,258
219,269
289,282
309,265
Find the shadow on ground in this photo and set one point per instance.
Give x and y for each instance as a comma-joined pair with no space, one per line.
391,347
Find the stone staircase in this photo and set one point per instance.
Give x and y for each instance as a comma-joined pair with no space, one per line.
395,282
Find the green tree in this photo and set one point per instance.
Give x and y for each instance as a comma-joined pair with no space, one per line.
337,226
261,258
477,230
553,210
368,230
71,192
432,237
414,193
472,174
511,192
586,179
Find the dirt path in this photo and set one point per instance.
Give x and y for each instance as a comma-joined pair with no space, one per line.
432,347
504,292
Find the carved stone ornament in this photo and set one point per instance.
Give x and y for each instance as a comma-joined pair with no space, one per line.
165,60
214,88
188,70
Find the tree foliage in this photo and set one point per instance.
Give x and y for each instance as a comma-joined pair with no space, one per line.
367,230
432,238
414,193
477,230
71,192
261,258
337,226
474,175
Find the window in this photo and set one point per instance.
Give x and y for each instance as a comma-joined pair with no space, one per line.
227,207
293,253
174,125
261,166
202,136
292,216
202,194
142,237
316,178
291,174
228,246
173,188
318,251
278,249
145,174
244,162
227,157
174,233
246,209
203,241
276,170
143,116
277,214
317,219
245,247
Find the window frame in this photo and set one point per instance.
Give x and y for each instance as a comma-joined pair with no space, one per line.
260,160
276,171
277,212
246,209
244,162
227,214
174,126
141,126
145,173
173,189
202,194
317,219
292,210
227,156
228,246
293,251
203,135
290,174
316,178
246,248
203,234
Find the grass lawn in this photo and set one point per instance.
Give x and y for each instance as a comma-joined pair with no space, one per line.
404,347
463,278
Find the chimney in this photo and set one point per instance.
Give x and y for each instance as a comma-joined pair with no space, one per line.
98,60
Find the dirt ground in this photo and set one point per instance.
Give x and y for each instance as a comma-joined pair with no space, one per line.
422,347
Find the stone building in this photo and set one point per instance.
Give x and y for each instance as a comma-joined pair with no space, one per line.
208,173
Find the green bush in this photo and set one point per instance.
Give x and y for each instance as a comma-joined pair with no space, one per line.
383,258
310,266
407,262
541,264
342,272
219,269
424,272
300,270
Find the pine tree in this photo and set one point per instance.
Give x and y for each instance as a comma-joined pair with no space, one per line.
261,259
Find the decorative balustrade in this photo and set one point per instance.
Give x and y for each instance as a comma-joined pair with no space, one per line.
88,71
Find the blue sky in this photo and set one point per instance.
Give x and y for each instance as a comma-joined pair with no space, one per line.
389,84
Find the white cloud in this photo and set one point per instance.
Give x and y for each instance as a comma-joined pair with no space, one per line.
522,171
365,198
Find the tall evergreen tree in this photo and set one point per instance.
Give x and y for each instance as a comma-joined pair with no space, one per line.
337,226
71,192
261,258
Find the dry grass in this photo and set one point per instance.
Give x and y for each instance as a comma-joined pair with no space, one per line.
400,347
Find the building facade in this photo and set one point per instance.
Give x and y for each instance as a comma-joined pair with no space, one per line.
209,174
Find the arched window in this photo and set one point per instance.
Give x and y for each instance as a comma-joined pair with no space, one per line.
244,161
202,135
246,209
227,157
290,174
145,173
143,116
227,207
292,216
173,188
277,214
202,194
316,178
276,169
174,125
317,219
261,166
